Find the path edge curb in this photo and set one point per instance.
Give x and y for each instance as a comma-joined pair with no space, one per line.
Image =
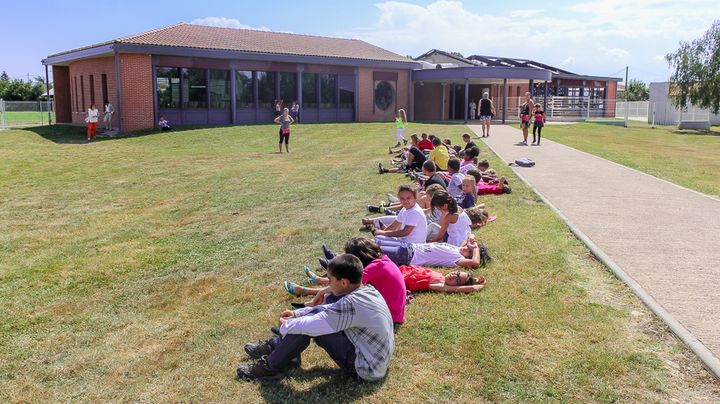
706,356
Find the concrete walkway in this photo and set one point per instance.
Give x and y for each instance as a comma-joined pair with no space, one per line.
665,237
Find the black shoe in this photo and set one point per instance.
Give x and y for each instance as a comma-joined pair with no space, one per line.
257,350
404,142
259,370
397,145
276,330
323,262
294,305
381,169
328,254
373,209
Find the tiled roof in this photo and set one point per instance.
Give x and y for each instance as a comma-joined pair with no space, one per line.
185,35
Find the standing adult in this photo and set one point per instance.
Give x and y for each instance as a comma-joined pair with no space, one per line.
400,123
473,108
92,120
278,107
487,111
525,110
284,120
109,112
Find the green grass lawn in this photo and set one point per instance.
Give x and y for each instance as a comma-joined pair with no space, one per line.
687,158
13,118
134,269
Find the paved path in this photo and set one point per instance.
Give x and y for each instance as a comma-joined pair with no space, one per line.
667,238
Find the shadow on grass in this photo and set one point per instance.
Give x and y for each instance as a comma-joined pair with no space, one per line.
71,134
689,132
335,387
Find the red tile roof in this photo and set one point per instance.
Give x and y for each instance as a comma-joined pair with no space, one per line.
185,35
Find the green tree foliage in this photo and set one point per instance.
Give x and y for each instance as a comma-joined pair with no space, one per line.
696,76
21,90
637,90
458,54
4,76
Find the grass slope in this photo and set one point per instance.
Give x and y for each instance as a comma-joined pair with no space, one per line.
134,269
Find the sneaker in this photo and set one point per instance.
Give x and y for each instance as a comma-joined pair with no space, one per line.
323,262
326,251
381,169
257,350
404,142
390,150
373,209
397,145
392,198
260,370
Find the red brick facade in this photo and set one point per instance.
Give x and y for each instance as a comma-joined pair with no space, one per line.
80,89
137,92
367,112
61,87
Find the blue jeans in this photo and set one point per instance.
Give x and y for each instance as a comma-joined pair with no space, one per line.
398,251
337,345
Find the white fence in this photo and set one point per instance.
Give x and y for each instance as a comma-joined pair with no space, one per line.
25,113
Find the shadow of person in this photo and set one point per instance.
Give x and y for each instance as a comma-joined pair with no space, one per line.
336,386
75,134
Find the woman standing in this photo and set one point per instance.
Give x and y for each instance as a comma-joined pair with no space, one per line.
400,122
92,119
284,120
487,111
525,110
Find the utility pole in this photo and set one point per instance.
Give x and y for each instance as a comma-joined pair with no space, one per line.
627,106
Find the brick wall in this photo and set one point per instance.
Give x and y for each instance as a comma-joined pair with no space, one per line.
366,87
136,91
61,87
84,68
611,97
428,100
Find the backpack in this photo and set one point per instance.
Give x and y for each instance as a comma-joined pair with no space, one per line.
525,162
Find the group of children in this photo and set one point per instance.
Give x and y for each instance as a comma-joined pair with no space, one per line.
357,307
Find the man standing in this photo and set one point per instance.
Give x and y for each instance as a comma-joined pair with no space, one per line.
473,108
107,118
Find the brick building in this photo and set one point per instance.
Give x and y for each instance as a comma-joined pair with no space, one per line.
199,75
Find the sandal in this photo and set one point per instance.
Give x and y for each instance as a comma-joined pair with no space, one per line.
311,279
290,288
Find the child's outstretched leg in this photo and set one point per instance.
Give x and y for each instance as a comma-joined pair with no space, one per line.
299,291
314,279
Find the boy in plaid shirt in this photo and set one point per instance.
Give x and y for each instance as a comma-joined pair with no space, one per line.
356,330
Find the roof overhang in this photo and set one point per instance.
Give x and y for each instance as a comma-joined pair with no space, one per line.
224,54
480,72
582,77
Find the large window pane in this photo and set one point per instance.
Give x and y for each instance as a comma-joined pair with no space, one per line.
328,90
347,91
309,90
244,89
220,89
288,88
266,89
168,87
194,85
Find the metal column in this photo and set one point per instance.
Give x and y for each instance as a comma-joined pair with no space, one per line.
299,69
156,118
233,97
47,93
467,94
546,96
504,100
118,93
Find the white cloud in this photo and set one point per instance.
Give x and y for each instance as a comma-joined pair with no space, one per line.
616,53
525,13
659,58
225,23
568,61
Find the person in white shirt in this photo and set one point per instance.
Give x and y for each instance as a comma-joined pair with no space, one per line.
473,108
468,255
410,225
92,120
107,118
454,225
164,124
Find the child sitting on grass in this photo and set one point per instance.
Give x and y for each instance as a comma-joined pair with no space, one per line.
456,178
454,224
356,330
409,225
469,159
469,192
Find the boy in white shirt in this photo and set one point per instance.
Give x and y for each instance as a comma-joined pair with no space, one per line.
455,185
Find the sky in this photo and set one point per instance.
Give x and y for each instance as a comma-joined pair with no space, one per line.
587,37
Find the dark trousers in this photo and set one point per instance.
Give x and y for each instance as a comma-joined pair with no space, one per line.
337,345
539,132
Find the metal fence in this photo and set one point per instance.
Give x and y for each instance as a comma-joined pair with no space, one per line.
25,113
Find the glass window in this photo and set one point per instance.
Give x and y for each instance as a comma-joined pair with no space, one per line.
194,88
220,89
266,89
168,87
244,89
383,95
347,99
328,90
288,88
309,90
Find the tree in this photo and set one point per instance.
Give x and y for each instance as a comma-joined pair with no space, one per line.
4,76
18,90
696,76
636,89
458,54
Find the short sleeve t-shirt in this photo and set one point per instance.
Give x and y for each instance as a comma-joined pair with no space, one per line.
470,145
413,217
435,255
455,186
460,230
436,178
418,279
425,144
440,156
466,166
385,276
468,201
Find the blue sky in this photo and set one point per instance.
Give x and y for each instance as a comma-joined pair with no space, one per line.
587,37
